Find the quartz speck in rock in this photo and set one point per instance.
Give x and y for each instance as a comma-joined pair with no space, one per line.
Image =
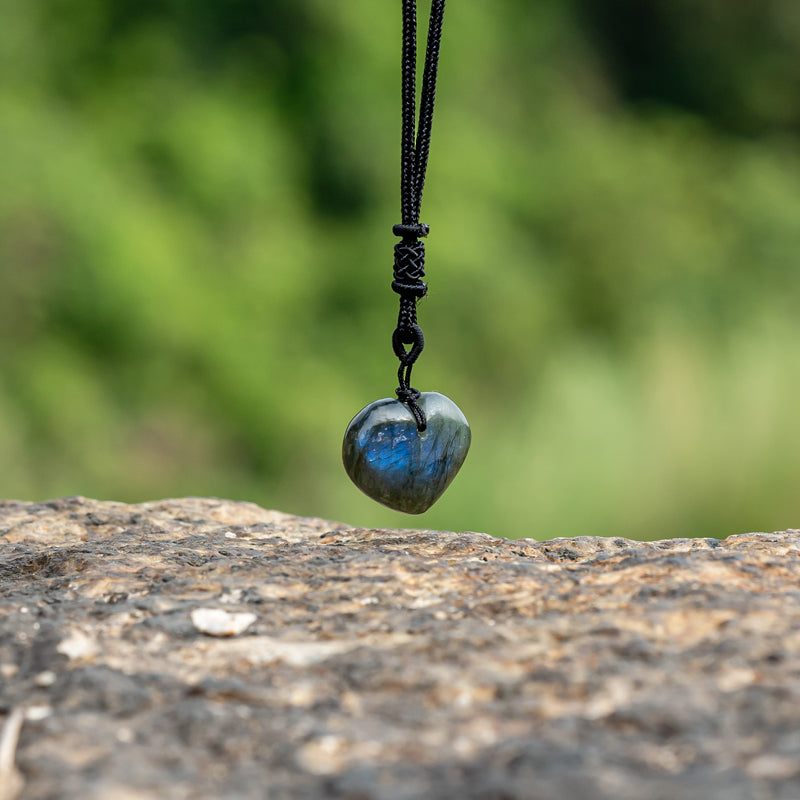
218,622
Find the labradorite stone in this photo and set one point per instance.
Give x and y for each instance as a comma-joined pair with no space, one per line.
392,462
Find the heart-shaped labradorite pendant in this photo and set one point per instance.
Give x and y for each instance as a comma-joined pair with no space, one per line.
391,461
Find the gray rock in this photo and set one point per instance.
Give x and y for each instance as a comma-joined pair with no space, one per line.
391,664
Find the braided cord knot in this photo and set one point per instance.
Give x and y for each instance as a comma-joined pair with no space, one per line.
409,269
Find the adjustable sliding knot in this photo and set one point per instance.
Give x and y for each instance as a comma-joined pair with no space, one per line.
409,261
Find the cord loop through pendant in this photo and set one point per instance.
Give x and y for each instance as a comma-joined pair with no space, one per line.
412,336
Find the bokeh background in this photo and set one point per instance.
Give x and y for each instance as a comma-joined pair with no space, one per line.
196,202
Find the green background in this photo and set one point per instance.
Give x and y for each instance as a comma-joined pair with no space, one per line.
196,202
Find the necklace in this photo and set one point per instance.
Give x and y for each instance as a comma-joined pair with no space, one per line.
404,453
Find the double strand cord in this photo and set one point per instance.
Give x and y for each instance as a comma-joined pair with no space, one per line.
409,252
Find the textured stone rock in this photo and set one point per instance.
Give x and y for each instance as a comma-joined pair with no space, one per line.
392,664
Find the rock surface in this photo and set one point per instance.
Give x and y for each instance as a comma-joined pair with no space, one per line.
391,664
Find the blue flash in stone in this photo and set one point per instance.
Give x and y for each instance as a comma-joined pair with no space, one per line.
392,462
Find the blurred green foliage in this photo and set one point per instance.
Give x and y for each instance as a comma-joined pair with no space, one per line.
195,254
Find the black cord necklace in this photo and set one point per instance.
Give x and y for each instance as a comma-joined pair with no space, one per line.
405,452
